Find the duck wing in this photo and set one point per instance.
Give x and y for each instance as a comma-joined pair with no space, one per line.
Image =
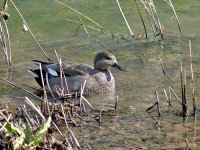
70,68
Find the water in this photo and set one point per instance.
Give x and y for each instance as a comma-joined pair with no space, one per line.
133,127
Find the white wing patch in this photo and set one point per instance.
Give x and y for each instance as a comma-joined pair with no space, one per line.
52,72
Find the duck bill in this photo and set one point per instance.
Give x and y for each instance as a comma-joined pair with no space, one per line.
118,67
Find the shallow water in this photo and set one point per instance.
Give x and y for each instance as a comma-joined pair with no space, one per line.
133,127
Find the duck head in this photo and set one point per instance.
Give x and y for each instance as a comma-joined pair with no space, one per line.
104,60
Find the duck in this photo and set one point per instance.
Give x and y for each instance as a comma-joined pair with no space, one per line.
73,76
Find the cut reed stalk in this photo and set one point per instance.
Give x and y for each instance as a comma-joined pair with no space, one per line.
170,88
193,83
167,98
183,90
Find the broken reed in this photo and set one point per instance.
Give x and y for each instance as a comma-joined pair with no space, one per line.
183,85
153,17
69,112
183,90
183,100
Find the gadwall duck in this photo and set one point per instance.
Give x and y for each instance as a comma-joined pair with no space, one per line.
97,79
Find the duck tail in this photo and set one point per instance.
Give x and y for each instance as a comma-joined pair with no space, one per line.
37,74
34,73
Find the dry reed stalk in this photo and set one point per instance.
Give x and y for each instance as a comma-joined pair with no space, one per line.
149,108
44,90
21,89
64,116
157,23
24,22
158,105
62,74
185,95
83,26
70,147
47,81
74,139
170,95
167,98
186,144
4,35
5,5
28,118
161,64
7,119
5,42
170,88
80,23
81,105
116,103
71,134
102,44
30,103
151,22
195,128
193,83
175,14
80,14
159,28
153,17
127,24
141,19
61,77
88,103
183,90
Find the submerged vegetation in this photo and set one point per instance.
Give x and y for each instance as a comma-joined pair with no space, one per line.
51,124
